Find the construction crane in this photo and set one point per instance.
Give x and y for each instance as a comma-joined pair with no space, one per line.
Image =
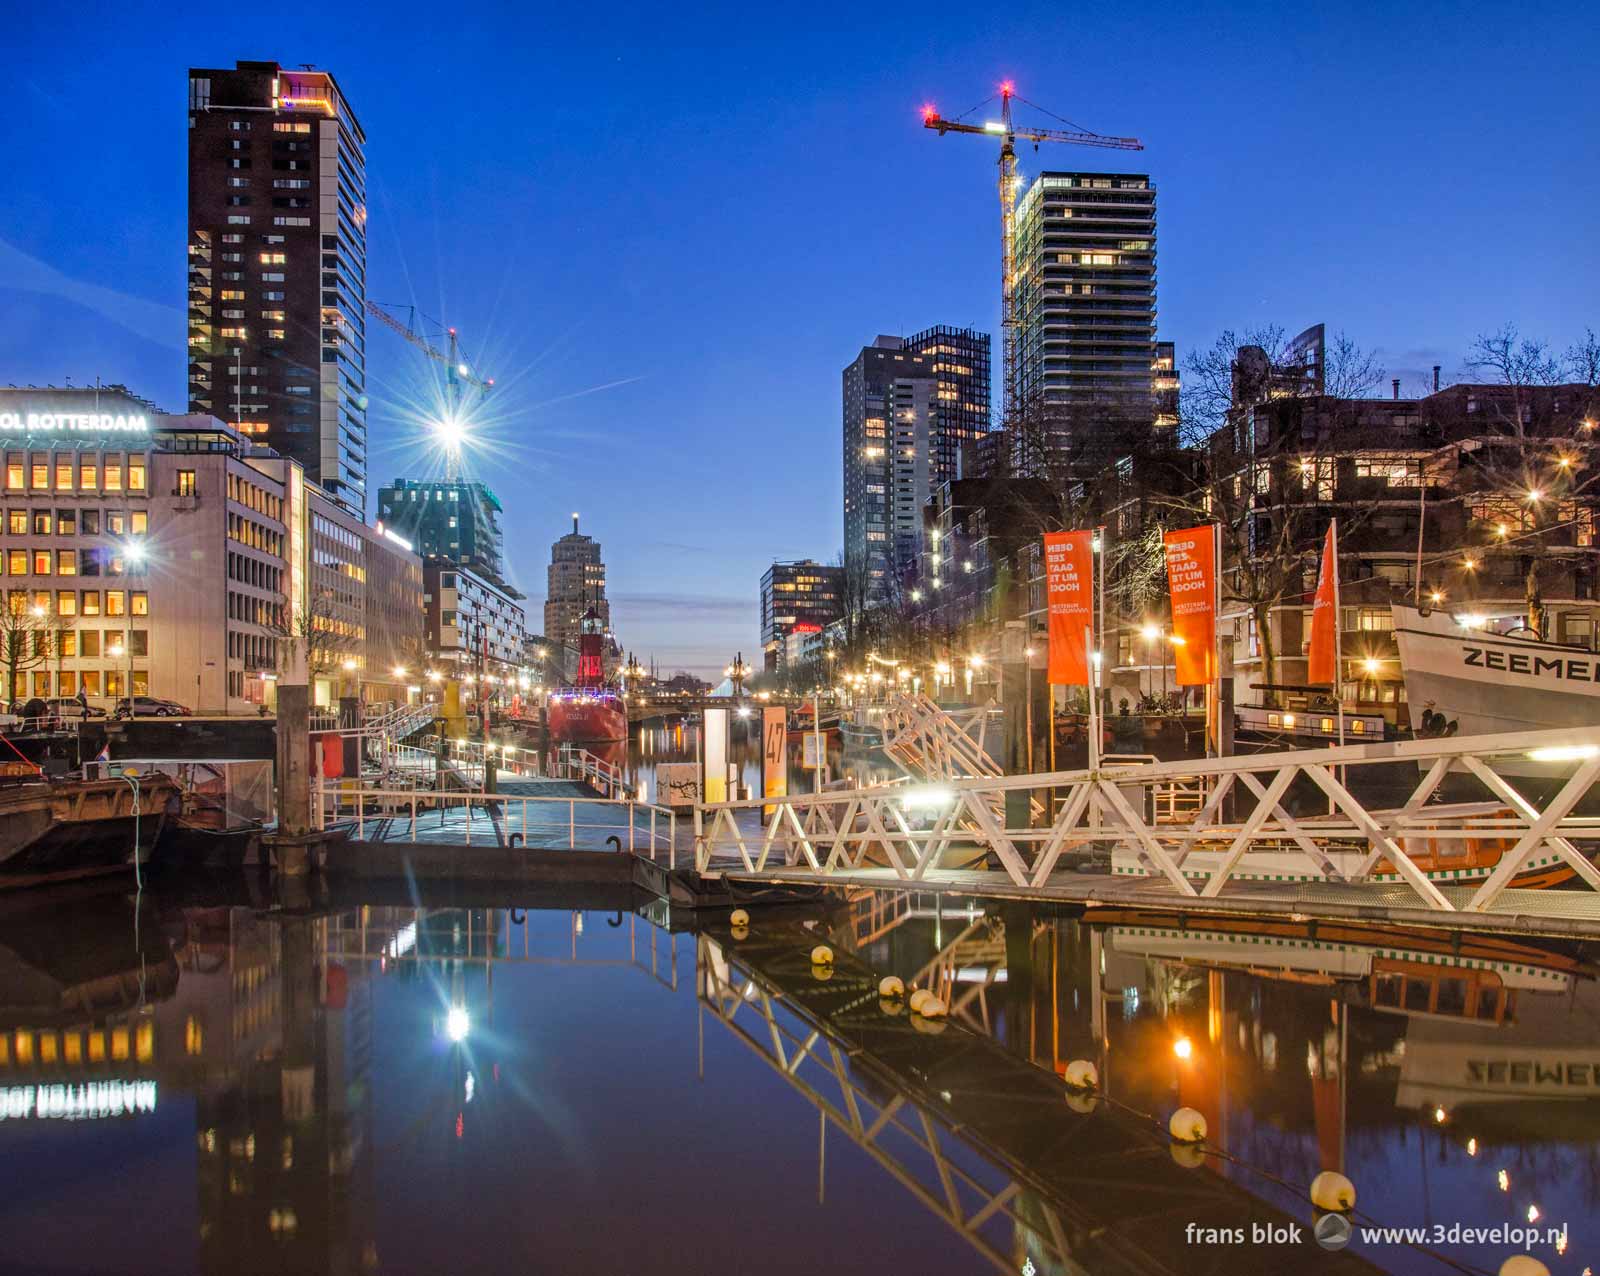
1008,133
458,373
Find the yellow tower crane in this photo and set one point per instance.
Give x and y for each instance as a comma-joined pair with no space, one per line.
1008,133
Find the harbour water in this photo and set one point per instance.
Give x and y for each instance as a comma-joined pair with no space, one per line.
206,1081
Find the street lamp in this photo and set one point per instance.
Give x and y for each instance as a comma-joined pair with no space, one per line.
736,673
117,651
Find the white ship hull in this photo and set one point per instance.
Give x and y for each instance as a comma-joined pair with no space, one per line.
1487,683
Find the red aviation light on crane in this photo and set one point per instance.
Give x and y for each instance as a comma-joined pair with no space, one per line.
929,111
1008,88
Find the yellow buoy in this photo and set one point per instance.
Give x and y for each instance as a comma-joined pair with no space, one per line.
1191,1156
1187,1126
1082,1075
740,932
932,1008
822,955
821,973
1332,1192
891,1005
738,918
918,996
1523,1265
931,1026
890,986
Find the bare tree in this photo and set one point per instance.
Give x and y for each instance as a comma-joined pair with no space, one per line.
319,634
1532,459
25,641
1348,370
1508,358
1581,362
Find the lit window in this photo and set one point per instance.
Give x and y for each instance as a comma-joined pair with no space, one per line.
274,259
41,475
63,476
88,478
113,476
135,476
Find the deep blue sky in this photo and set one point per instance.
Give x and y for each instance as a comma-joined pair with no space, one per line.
719,206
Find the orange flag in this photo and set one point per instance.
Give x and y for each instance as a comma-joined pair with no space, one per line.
1192,581
1323,666
1069,599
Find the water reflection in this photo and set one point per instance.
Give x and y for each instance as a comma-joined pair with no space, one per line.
421,1085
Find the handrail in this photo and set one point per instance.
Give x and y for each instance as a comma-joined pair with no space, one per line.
1145,813
331,800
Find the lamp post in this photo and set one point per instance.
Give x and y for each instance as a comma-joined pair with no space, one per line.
736,673
117,652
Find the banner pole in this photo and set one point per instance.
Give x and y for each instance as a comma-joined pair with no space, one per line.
1338,634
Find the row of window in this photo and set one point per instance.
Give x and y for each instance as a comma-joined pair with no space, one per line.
249,532
95,561
75,475
252,571
67,684
22,522
67,603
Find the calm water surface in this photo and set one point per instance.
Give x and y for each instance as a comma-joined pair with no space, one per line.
210,1084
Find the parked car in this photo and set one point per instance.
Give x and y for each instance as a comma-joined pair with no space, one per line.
151,707
72,710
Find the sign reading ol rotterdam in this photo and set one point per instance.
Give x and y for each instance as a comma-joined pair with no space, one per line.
1192,580
74,423
1069,596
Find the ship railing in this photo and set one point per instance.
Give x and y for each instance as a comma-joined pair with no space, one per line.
500,819
1248,826
579,764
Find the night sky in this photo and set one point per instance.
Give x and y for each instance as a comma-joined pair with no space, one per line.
665,229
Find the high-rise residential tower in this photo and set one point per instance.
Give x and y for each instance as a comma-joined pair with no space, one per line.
278,266
961,393
1086,296
908,408
576,582
448,522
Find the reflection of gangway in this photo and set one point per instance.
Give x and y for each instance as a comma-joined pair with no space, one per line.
402,940
983,1139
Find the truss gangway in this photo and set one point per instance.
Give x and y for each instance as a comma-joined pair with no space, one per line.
938,744
1447,826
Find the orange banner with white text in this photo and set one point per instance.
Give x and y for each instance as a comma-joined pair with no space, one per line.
1192,582
1323,666
1069,600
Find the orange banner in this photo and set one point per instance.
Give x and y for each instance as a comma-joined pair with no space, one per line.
1323,666
1069,599
1192,582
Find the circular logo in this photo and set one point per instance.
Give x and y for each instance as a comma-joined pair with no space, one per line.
1332,1231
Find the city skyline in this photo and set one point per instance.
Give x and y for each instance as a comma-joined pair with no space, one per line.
623,319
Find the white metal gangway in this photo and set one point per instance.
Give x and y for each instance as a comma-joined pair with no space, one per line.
940,745
1249,828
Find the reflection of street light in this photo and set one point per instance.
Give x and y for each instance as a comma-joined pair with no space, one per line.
1183,1047
457,1024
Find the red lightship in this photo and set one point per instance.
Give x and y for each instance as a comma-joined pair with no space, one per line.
590,710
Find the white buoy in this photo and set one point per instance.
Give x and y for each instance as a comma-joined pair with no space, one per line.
1084,1101
891,986
1187,1126
1082,1075
1523,1265
891,1005
918,996
932,1026
738,918
932,1008
1332,1192
822,955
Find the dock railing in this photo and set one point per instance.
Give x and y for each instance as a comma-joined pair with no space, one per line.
1145,816
512,819
587,768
